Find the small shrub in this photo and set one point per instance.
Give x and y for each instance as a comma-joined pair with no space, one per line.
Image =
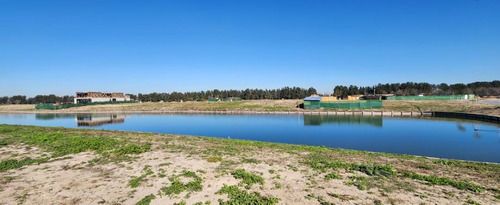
247,178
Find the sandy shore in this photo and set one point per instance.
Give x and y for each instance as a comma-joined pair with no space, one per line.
76,166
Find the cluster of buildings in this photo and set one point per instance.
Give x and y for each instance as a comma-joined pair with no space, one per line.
92,97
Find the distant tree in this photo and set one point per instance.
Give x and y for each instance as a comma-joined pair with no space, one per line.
4,100
18,99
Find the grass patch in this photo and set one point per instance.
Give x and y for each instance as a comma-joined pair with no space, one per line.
63,141
237,196
146,200
435,180
136,181
250,160
177,186
247,178
214,159
8,164
332,175
132,149
359,182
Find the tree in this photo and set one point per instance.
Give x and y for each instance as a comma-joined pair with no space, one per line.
18,99
4,100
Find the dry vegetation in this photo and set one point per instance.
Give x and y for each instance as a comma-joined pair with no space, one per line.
442,106
271,105
77,166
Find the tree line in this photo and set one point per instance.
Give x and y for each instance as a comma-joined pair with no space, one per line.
411,88
247,94
22,99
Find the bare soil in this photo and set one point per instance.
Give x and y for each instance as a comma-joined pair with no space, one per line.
73,179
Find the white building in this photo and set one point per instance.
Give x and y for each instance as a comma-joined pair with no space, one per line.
91,97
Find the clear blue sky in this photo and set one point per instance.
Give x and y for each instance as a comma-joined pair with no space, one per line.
60,47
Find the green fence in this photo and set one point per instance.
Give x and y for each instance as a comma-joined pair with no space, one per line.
312,104
343,105
57,107
433,97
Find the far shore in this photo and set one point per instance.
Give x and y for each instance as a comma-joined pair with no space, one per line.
390,108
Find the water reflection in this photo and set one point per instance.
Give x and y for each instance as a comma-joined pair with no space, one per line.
461,127
92,120
319,120
87,119
53,116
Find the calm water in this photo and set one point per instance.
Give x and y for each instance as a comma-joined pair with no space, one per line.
466,140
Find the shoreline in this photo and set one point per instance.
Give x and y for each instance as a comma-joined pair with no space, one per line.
453,115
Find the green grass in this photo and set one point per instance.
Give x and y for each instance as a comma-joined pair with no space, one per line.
332,175
177,186
247,178
435,180
8,164
250,160
136,181
146,200
237,196
63,141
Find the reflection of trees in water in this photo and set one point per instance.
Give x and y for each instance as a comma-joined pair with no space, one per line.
318,120
461,127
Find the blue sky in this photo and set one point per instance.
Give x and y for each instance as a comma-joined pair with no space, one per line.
60,47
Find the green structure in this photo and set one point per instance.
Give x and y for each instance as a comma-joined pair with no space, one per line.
316,103
57,107
433,97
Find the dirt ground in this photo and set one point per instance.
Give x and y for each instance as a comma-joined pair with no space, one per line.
75,179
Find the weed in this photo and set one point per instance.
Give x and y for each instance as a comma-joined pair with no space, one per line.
237,196
132,149
277,185
247,178
250,160
435,180
332,175
357,181
8,164
470,201
271,171
23,197
181,203
342,197
293,168
177,186
449,194
136,181
146,200
214,159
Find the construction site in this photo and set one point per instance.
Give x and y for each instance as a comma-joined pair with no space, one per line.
92,97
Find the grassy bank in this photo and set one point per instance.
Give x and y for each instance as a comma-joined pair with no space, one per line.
274,105
74,166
